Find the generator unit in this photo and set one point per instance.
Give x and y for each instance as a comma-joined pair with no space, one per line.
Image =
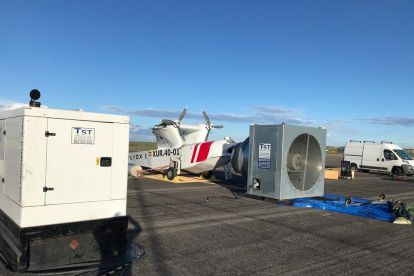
63,187
282,161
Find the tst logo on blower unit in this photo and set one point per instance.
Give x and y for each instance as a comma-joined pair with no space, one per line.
264,156
82,135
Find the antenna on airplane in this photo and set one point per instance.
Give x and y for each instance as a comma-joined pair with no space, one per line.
176,123
210,126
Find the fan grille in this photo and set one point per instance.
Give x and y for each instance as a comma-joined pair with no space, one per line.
304,162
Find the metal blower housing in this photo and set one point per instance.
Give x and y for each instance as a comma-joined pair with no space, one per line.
282,161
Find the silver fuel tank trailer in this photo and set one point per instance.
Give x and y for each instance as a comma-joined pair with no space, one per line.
63,187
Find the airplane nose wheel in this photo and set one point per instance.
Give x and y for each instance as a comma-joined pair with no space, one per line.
171,173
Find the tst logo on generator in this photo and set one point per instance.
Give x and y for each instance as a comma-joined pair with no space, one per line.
82,135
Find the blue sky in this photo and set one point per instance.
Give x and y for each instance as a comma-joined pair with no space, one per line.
346,65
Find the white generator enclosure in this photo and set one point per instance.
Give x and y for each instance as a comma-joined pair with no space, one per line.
285,161
61,166
63,187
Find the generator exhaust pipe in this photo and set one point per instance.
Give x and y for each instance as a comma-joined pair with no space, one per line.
34,96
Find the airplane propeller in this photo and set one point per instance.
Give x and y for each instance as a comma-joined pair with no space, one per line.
206,117
210,126
182,114
176,123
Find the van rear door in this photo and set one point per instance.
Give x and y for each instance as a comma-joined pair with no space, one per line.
353,153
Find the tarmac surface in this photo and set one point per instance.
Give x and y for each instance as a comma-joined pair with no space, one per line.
203,228
186,234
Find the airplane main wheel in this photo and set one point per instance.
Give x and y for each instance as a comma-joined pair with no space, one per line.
207,175
171,173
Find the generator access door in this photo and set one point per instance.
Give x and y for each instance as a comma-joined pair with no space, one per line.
79,161
262,160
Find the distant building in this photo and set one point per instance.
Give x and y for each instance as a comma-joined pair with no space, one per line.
340,150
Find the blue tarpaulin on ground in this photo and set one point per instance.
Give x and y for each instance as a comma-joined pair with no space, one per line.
359,206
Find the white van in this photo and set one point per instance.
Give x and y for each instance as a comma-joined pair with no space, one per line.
384,156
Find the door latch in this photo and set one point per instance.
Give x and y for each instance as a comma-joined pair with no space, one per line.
47,134
3,180
45,189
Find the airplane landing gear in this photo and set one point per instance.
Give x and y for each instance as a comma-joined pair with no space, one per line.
207,175
171,173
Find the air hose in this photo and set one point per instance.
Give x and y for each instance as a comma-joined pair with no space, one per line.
242,195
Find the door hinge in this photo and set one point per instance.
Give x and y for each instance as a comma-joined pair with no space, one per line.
4,132
47,134
45,189
3,180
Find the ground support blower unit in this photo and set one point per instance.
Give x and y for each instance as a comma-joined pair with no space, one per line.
63,187
282,161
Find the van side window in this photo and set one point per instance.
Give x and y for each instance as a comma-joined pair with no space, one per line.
388,154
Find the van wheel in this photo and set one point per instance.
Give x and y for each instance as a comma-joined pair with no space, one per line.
396,171
353,167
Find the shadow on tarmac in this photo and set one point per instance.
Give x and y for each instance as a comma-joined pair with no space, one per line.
158,255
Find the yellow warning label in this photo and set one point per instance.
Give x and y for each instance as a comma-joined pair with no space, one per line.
97,161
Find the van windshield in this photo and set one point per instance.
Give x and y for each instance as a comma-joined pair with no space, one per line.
403,154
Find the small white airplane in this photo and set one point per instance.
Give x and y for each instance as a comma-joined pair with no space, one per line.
184,147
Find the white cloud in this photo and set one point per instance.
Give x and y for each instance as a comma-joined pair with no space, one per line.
275,109
138,133
261,114
399,121
10,106
338,121
5,106
160,113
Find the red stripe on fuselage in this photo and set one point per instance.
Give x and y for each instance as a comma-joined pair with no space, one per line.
203,152
194,153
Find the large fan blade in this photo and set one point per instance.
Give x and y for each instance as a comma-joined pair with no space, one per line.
206,117
304,162
182,114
